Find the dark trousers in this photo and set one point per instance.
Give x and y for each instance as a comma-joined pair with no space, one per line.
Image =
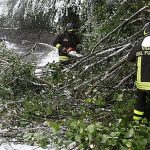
142,102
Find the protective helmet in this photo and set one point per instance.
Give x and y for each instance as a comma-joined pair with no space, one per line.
70,27
147,29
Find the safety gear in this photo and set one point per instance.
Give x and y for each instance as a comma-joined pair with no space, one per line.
141,55
138,115
146,44
63,58
58,45
141,106
147,29
74,54
69,49
143,65
70,27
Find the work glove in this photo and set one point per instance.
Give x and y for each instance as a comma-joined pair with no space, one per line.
74,54
67,50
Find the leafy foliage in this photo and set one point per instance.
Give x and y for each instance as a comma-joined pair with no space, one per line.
86,103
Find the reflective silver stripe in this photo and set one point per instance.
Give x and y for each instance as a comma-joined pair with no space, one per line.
141,53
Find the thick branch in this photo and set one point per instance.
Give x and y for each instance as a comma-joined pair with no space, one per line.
43,81
118,64
111,55
125,79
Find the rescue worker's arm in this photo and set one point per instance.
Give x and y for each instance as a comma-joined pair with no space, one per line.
132,54
57,42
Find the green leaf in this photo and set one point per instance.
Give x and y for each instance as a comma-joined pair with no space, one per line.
129,144
37,113
81,146
54,126
105,138
88,100
131,132
98,125
74,124
120,96
77,137
81,130
91,128
90,137
113,134
49,111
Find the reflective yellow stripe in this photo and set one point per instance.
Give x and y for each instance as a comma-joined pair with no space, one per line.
63,58
139,69
143,85
58,45
138,112
145,32
139,84
137,118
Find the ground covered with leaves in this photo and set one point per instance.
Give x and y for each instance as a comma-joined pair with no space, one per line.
86,105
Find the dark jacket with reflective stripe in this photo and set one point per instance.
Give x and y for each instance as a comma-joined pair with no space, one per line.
141,55
66,40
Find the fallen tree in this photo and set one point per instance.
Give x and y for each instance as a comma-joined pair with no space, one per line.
87,99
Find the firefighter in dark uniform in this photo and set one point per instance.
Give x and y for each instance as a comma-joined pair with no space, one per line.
141,55
67,42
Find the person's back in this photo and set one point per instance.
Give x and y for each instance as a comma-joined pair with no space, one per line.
141,55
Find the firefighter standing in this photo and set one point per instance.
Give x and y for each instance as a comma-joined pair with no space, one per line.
141,55
67,43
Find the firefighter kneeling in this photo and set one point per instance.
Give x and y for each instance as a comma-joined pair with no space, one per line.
68,44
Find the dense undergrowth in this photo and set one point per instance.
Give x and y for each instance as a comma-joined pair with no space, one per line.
89,102
47,110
